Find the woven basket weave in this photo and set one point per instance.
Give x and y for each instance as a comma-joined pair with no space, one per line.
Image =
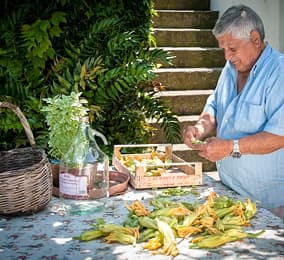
25,175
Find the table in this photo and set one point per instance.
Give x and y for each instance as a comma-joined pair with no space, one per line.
48,235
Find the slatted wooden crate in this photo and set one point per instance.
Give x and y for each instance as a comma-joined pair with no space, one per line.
178,172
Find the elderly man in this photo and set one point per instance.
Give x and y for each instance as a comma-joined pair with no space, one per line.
247,112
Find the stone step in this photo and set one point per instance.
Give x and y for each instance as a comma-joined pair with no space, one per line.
184,37
188,78
184,121
182,4
185,19
159,136
183,29
185,102
195,57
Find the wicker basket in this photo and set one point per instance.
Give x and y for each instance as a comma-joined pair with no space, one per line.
25,175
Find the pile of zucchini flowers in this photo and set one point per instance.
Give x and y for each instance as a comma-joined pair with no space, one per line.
219,220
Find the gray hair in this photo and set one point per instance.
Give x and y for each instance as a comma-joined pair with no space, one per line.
240,21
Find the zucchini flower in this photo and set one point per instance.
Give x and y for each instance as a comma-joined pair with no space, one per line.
175,211
153,243
250,209
148,234
90,235
187,231
138,209
222,202
212,241
113,228
209,241
121,238
238,234
148,222
169,242
207,221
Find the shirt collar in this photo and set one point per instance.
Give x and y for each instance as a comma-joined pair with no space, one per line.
262,58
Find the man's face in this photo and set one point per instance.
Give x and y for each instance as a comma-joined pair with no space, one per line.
242,53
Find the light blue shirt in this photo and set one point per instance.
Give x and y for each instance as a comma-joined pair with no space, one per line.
259,107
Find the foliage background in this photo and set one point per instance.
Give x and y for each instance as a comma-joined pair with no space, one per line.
99,48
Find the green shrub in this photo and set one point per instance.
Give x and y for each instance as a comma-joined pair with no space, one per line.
94,47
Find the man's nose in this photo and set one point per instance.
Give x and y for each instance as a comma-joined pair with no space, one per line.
228,55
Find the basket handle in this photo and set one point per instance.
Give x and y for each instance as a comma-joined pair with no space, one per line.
23,120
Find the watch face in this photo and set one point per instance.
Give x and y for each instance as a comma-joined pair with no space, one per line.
236,155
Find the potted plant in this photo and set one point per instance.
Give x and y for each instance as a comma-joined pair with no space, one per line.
62,113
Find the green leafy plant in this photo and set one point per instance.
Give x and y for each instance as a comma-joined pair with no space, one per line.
28,31
118,80
63,114
91,47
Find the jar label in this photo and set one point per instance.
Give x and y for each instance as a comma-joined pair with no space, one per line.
73,186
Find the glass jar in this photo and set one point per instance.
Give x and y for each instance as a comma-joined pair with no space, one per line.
84,169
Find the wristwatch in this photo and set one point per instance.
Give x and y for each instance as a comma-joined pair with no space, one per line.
236,149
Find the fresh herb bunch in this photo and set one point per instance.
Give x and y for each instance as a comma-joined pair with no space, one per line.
63,113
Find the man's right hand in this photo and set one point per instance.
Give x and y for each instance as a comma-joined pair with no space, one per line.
191,134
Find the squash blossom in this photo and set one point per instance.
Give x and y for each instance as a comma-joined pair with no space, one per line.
171,212
169,242
210,241
121,238
148,222
112,228
90,235
187,231
207,221
138,209
250,209
153,243
213,241
147,234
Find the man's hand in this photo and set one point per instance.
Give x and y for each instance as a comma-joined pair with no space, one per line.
214,149
190,134
204,126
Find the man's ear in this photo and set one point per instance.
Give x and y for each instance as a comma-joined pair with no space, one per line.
255,38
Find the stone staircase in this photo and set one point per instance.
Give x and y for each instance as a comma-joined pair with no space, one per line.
183,28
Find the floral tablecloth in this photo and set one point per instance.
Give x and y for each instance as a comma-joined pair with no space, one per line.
48,234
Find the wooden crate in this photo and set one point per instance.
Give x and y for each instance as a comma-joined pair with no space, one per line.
178,172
